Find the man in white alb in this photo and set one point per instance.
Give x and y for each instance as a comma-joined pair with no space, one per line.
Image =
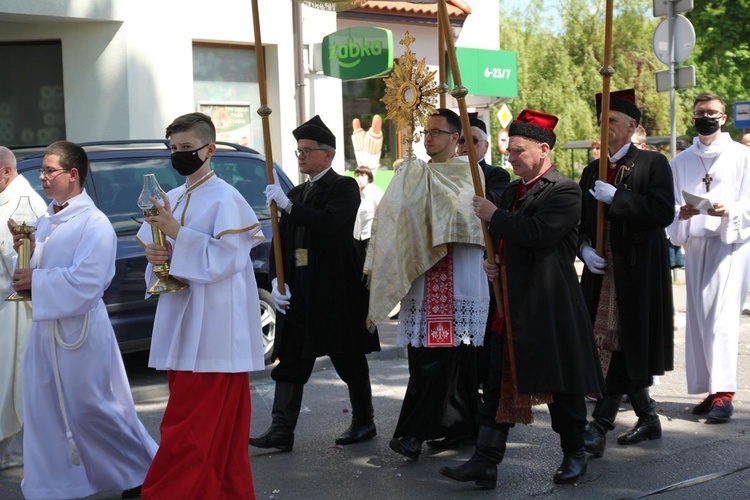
717,254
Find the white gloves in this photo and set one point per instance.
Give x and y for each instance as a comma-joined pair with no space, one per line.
274,192
595,263
280,301
603,192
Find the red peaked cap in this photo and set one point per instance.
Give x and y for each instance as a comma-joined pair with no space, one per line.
622,101
535,125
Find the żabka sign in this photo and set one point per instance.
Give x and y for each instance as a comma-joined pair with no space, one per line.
358,53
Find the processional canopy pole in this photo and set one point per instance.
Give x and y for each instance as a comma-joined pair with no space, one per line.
606,71
264,111
459,92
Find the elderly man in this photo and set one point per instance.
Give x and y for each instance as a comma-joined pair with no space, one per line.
326,305
714,170
629,290
548,355
496,179
14,316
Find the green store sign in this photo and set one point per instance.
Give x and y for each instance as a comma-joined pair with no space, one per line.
358,53
492,73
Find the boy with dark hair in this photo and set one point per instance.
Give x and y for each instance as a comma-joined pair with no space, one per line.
210,230
82,433
207,337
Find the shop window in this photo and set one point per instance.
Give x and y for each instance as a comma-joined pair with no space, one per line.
32,105
225,81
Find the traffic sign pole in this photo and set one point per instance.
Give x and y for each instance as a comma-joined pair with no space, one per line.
672,118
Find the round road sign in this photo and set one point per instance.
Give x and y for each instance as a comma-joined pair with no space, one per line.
684,40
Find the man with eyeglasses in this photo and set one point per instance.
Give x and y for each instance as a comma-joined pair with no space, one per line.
82,434
717,254
14,316
628,290
325,301
426,251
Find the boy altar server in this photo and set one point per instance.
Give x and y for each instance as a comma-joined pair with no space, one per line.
208,337
82,434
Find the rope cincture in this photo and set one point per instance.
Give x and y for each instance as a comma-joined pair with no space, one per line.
55,340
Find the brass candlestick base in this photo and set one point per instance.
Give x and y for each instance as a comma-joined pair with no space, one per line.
164,282
24,255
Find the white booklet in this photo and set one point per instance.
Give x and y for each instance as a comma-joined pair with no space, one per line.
703,205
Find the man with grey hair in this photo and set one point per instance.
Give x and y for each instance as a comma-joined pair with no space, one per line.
628,290
14,316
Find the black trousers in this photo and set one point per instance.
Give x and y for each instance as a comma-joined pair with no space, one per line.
567,411
295,368
618,380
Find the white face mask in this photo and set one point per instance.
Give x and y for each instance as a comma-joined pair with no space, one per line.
362,180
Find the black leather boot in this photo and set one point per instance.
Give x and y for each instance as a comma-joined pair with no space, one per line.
573,466
363,423
287,401
648,425
603,421
482,466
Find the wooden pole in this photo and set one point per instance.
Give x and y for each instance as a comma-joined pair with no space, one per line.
606,71
264,111
459,92
441,64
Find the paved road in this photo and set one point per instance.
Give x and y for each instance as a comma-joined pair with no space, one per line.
317,469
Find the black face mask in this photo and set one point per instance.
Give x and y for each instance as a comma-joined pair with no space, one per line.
707,126
187,162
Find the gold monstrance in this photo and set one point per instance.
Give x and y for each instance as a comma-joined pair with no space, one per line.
23,222
164,282
410,95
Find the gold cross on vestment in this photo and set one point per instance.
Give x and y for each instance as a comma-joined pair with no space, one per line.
707,181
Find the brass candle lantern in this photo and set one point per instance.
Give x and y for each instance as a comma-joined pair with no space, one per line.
23,222
164,282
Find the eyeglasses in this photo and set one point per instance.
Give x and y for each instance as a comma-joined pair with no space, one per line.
299,153
709,113
47,173
435,132
462,140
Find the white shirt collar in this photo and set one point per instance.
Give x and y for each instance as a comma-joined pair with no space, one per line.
318,176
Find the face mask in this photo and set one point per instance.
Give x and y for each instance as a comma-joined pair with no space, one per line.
707,126
362,180
187,162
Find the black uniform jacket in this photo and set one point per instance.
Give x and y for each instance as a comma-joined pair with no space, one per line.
642,208
496,181
552,334
335,296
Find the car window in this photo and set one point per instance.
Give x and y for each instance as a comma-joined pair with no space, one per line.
248,176
32,175
118,183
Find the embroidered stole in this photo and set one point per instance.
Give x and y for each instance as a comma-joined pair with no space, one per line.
439,302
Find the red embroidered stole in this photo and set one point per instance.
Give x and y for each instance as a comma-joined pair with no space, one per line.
439,302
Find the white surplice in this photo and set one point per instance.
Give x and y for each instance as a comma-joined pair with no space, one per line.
15,318
717,259
471,302
74,262
214,325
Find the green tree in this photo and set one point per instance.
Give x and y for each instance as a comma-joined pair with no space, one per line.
722,53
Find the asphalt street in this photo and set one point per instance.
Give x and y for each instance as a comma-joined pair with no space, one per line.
695,459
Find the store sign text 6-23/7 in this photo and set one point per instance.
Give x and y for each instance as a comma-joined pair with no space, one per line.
497,72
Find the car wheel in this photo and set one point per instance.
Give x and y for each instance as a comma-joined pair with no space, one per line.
268,323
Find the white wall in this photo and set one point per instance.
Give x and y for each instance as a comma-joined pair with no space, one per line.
127,64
